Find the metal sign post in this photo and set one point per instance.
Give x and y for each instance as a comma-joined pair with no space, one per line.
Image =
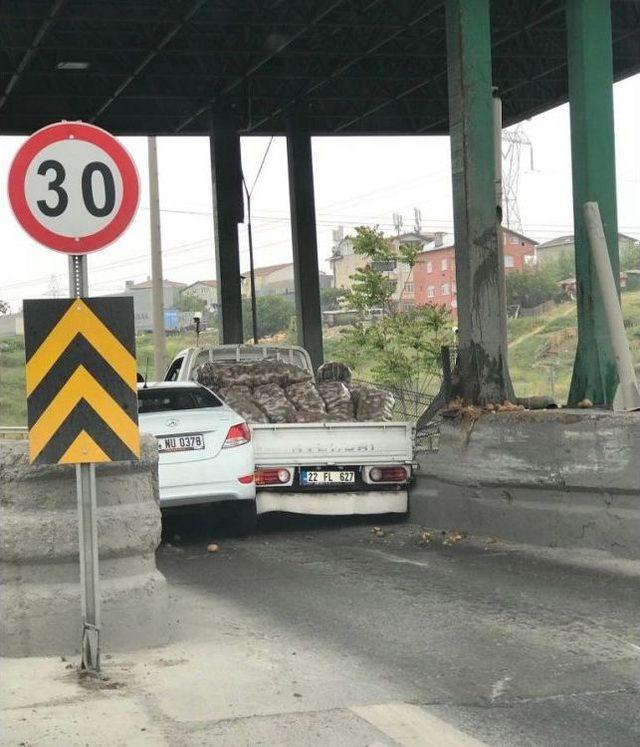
75,189
87,520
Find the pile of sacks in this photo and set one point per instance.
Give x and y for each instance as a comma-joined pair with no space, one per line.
278,392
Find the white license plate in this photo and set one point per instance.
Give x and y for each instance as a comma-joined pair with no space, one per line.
317,477
188,442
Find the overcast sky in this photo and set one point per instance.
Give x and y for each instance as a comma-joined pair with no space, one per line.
357,180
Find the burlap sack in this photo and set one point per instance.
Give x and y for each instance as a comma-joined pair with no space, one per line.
264,372
239,399
212,375
292,374
372,403
304,396
333,371
241,374
219,374
272,400
337,399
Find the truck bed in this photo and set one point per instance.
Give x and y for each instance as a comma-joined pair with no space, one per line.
311,444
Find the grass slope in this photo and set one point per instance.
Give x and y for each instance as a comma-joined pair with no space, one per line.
542,349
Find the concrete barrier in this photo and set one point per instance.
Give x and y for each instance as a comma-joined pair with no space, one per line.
39,570
556,478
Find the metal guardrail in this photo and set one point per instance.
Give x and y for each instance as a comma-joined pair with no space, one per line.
409,406
413,405
13,431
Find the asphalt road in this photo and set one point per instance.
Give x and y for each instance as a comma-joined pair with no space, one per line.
327,632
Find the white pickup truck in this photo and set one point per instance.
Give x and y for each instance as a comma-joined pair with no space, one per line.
318,468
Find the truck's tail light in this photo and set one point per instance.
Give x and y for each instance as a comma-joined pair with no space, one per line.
275,476
246,479
238,435
388,474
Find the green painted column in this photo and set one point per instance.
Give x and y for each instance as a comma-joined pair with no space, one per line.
594,178
482,374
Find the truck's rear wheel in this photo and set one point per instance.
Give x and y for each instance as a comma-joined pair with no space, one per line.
245,518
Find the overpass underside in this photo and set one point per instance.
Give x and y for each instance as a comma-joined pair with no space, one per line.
348,68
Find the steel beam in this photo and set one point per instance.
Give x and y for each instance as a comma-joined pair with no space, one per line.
305,245
150,56
594,180
29,54
281,46
228,211
482,374
354,60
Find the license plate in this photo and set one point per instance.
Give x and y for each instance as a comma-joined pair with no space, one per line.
190,442
317,477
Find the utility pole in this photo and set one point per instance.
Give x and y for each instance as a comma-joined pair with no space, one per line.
252,275
497,150
157,290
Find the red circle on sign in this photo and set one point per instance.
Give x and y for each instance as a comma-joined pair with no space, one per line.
101,139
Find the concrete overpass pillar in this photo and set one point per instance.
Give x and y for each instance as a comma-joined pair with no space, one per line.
305,245
228,211
483,374
594,178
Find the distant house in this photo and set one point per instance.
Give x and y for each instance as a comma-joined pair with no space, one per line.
276,280
570,285
434,276
344,263
565,245
142,304
203,290
11,325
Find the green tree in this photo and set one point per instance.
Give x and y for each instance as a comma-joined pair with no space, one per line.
371,286
330,298
564,267
630,256
274,315
402,350
533,286
4,307
189,302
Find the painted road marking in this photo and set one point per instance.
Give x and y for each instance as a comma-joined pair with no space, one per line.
411,726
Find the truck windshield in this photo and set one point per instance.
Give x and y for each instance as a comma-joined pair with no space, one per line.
159,399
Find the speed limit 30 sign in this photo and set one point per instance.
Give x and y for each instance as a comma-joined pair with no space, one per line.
73,187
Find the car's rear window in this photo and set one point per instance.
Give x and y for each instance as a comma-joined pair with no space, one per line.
156,399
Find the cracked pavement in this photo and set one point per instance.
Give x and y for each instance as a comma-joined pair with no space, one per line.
322,631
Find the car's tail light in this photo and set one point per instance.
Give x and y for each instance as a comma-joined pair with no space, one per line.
275,476
388,474
246,479
238,435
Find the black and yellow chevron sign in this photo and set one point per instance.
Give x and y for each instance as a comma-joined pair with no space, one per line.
81,380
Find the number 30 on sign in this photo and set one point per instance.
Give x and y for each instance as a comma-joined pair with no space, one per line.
73,187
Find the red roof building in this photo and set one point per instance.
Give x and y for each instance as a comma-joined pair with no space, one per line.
434,275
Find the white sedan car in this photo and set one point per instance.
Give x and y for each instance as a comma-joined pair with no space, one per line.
205,450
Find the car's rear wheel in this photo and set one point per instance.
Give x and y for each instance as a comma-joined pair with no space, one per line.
245,517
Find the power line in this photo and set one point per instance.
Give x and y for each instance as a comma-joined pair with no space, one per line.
264,158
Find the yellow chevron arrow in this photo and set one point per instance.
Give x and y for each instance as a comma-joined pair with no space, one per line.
83,450
81,385
79,319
